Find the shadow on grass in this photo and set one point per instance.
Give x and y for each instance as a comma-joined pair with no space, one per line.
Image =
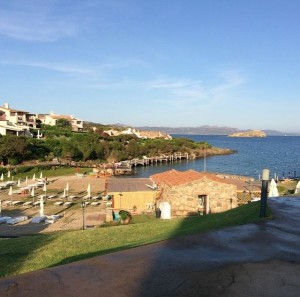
17,252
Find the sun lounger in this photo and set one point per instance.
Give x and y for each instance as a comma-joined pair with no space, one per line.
95,203
86,198
3,220
80,175
52,219
52,196
16,220
7,202
9,183
58,203
36,203
68,203
14,203
70,198
16,191
28,203
39,219
96,198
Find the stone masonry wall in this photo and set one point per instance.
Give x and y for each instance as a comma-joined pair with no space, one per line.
184,198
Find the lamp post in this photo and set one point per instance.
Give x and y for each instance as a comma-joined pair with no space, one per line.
264,192
83,205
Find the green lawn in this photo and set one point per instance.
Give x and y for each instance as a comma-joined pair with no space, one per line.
60,171
30,253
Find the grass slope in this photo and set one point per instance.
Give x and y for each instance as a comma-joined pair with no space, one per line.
31,253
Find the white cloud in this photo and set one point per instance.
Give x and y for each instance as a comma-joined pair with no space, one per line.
65,68
231,79
38,24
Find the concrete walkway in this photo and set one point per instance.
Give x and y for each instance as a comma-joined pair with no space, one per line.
251,260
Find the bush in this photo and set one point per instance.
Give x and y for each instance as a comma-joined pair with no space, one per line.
23,169
124,214
3,170
14,161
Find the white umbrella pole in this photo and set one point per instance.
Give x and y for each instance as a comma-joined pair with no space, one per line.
41,206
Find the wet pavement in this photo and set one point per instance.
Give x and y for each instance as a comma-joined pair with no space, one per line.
250,260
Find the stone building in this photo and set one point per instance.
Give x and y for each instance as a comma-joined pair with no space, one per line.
191,192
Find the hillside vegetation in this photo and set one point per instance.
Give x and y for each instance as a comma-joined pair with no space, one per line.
61,142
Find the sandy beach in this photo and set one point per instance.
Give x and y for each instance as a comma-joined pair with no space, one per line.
71,215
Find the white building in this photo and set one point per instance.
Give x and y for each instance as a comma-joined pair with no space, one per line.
51,119
15,122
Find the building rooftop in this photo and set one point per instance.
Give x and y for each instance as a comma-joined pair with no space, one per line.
129,184
176,178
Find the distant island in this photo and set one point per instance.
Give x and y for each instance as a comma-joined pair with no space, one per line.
250,133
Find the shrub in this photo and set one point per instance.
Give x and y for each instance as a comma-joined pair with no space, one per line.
23,169
124,214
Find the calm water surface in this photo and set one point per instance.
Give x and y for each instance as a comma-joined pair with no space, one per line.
280,154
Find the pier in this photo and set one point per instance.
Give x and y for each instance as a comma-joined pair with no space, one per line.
125,167
158,159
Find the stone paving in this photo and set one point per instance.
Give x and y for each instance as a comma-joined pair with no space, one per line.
250,260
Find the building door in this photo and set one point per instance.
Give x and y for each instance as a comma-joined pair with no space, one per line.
203,204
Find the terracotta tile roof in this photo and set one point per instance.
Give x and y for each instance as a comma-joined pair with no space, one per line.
175,178
57,117
14,110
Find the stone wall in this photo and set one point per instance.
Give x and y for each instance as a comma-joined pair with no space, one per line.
184,198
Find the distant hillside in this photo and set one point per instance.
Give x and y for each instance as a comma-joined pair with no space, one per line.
211,130
202,130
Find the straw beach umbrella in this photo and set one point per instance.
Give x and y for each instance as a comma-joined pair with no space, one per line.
33,177
2,177
8,174
10,192
41,175
19,183
26,180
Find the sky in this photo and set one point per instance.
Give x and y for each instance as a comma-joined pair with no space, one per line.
172,63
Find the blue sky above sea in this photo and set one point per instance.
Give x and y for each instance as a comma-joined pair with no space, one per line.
154,63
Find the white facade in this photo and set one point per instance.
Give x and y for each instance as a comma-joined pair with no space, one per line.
15,122
51,119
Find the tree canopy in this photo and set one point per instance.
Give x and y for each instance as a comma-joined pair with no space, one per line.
61,142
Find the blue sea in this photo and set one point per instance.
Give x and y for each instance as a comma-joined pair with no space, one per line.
280,154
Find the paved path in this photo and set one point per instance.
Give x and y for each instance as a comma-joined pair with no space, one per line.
251,260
